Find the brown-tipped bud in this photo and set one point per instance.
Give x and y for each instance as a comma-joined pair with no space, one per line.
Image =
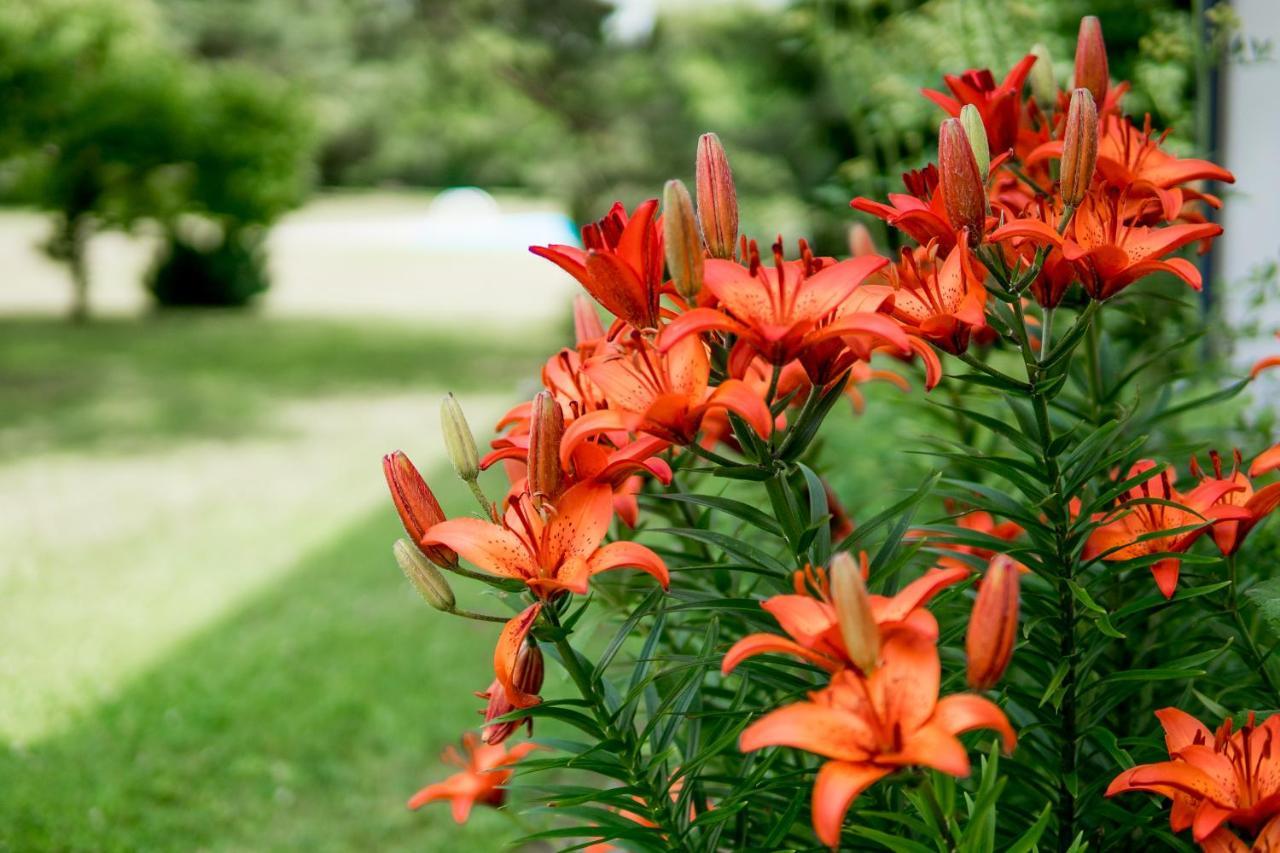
853,612
528,674
963,193
587,327
546,428
426,578
993,624
459,441
717,199
1044,87
682,240
1091,60
418,508
1079,147
861,242
971,119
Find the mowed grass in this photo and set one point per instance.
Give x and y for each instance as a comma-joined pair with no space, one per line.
303,709
128,384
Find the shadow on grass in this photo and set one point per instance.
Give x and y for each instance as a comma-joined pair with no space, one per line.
304,721
124,384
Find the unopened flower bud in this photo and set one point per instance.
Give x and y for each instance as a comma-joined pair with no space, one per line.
717,199
418,508
528,675
546,428
586,322
426,578
963,193
1044,88
1079,147
971,119
853,612
459,442
993,624
1091,60
682,240
860,241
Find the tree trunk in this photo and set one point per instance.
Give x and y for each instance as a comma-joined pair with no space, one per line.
75,245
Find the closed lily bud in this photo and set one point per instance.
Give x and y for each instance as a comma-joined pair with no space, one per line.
1044,88
717,199
682,240
861,242
971,119
459,442
528,675
853,612
418,508
426,578
1079,147
1091,60
546,429
963,193
993,624
586,322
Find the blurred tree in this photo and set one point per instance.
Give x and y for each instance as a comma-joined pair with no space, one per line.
104,126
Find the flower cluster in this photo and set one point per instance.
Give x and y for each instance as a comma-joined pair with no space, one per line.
719,361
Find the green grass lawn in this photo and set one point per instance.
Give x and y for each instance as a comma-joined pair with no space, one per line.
204,642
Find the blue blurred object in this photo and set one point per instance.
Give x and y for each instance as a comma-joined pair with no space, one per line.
469,219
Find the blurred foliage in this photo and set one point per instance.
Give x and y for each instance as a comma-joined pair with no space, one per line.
103,124
229,270
817,101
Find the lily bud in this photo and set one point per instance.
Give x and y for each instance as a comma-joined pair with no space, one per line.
1091,70
426,578
717,199
418,508
1044,88
546,428
853,612
459,442
1079,147
971,119
993,624
861,242
963,193
528,674
682,240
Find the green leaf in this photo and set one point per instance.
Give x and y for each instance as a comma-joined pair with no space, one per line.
738,509
1266,597
1029,839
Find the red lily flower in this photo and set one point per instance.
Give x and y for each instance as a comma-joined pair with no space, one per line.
1138,516
943,302
999,105
1229,535
920,213
1131,161
1214,779
665,394
620,264
810,618
1268,460
869,727
1108,253
778,312
526,673
485,772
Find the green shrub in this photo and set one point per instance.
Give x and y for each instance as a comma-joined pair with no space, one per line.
226,273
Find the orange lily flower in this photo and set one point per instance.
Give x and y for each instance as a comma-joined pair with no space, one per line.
778,312
485,772
1264,364
870,727
665,394
999,105
1214,779
1268,460
920,213
1117,538
621,262
979,521
809,617
943,302
1229,535
1107,252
